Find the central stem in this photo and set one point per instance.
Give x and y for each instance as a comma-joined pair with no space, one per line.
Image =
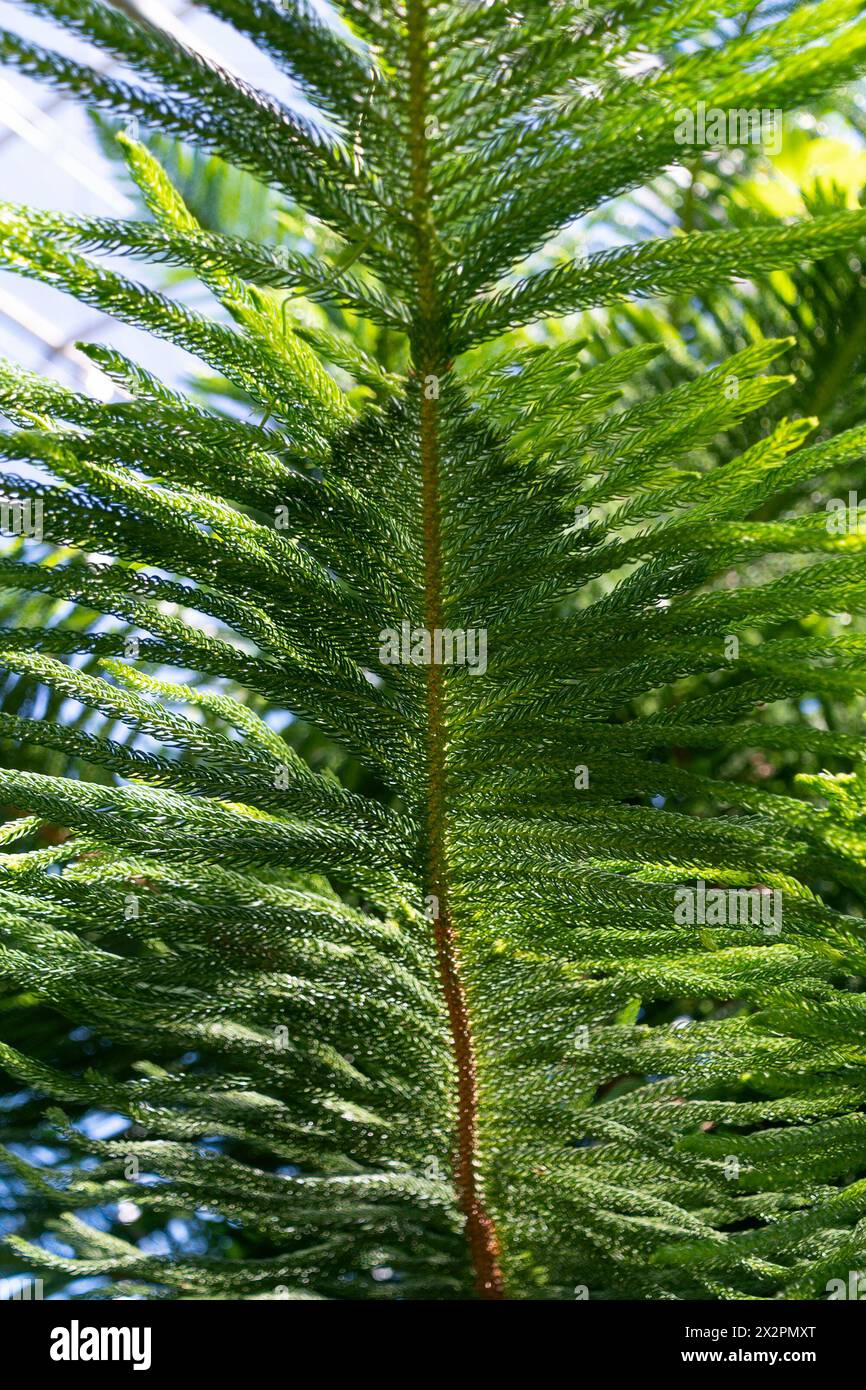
431,370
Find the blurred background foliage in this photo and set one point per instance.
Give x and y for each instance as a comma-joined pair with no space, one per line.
822,164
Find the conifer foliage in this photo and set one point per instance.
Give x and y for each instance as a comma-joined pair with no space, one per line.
424,1066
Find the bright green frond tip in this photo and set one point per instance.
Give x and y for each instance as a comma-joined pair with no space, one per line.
407,824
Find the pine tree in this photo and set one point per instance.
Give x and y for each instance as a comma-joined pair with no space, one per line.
421,1062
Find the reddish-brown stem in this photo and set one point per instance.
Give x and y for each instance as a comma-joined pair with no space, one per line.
431,369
